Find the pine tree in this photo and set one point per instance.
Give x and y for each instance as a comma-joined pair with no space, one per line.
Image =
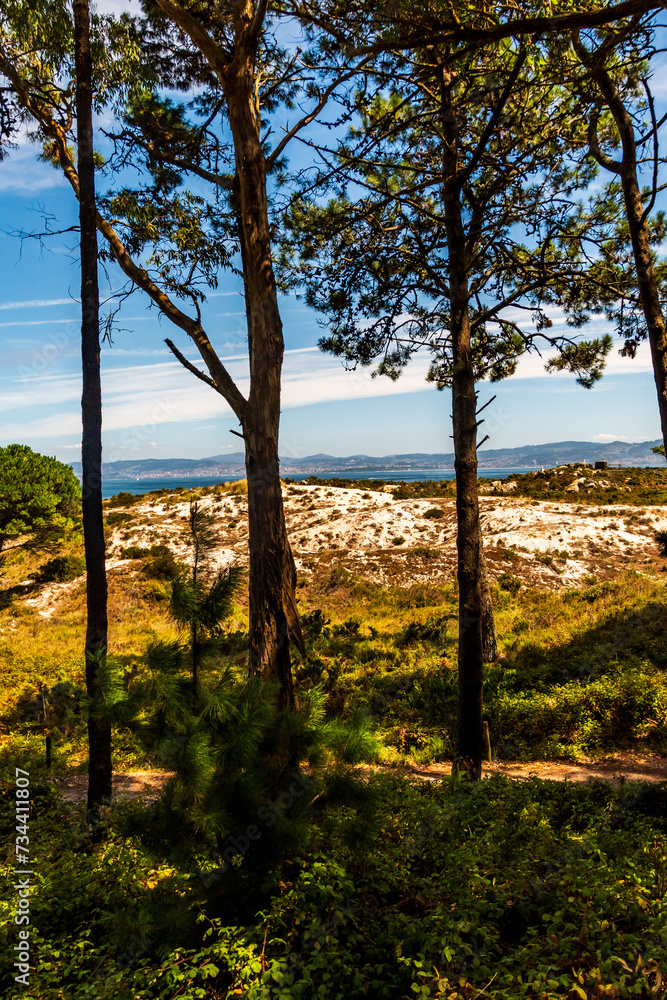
200,605
461,221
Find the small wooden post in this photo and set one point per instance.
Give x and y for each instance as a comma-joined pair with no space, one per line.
47,731
487,742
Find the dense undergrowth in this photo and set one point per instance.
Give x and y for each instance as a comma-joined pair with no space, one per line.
582,672
535,889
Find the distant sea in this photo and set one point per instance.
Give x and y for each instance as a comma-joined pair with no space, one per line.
112,487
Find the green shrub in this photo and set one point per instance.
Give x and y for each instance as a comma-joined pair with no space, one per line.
350,627
433,513
125,499
661,539
313,623
512,584
142,552
135,552
399,540
118,517
62,569
433,629
425,552
163,565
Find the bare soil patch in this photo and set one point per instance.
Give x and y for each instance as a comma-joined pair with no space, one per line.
617,770
145,785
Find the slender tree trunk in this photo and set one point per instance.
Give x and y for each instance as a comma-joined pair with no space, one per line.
194,633
649,292
99,731
273,615
490,650
464,413
274,620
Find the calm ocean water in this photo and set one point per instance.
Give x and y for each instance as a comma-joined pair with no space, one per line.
111,488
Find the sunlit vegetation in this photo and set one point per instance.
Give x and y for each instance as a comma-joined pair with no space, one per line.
376,884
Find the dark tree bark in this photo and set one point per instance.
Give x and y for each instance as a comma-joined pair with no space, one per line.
490,650
273,615
626,169
274,619
99,731
464,414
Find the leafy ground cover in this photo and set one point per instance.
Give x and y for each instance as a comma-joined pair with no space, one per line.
533,889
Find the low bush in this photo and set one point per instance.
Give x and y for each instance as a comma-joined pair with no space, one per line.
512,584
661,539
118,517
425,552
163,565
124,499
313,623
62,569
351,627
433,629
142,551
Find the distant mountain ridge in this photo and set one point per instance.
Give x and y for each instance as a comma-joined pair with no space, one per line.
527,456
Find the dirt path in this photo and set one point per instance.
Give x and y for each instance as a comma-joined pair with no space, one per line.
132,785
617,770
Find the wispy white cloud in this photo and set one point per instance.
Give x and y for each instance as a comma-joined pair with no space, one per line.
38,322
137,398
23,171
141,396
39,303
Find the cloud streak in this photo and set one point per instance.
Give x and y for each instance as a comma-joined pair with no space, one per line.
39,303
141,396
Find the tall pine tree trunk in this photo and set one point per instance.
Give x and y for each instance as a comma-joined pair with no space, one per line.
464,414
99,731
274,620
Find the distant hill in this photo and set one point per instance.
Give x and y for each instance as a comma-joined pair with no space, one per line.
528,456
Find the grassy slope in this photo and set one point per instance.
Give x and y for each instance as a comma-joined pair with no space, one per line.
582,671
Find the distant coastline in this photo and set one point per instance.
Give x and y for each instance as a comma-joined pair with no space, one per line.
526,458
111,487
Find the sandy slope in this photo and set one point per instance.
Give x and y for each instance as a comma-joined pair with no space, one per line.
372,530
550,545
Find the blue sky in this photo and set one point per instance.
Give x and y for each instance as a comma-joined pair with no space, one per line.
153,408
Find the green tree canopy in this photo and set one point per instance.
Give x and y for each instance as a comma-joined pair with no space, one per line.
38,496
